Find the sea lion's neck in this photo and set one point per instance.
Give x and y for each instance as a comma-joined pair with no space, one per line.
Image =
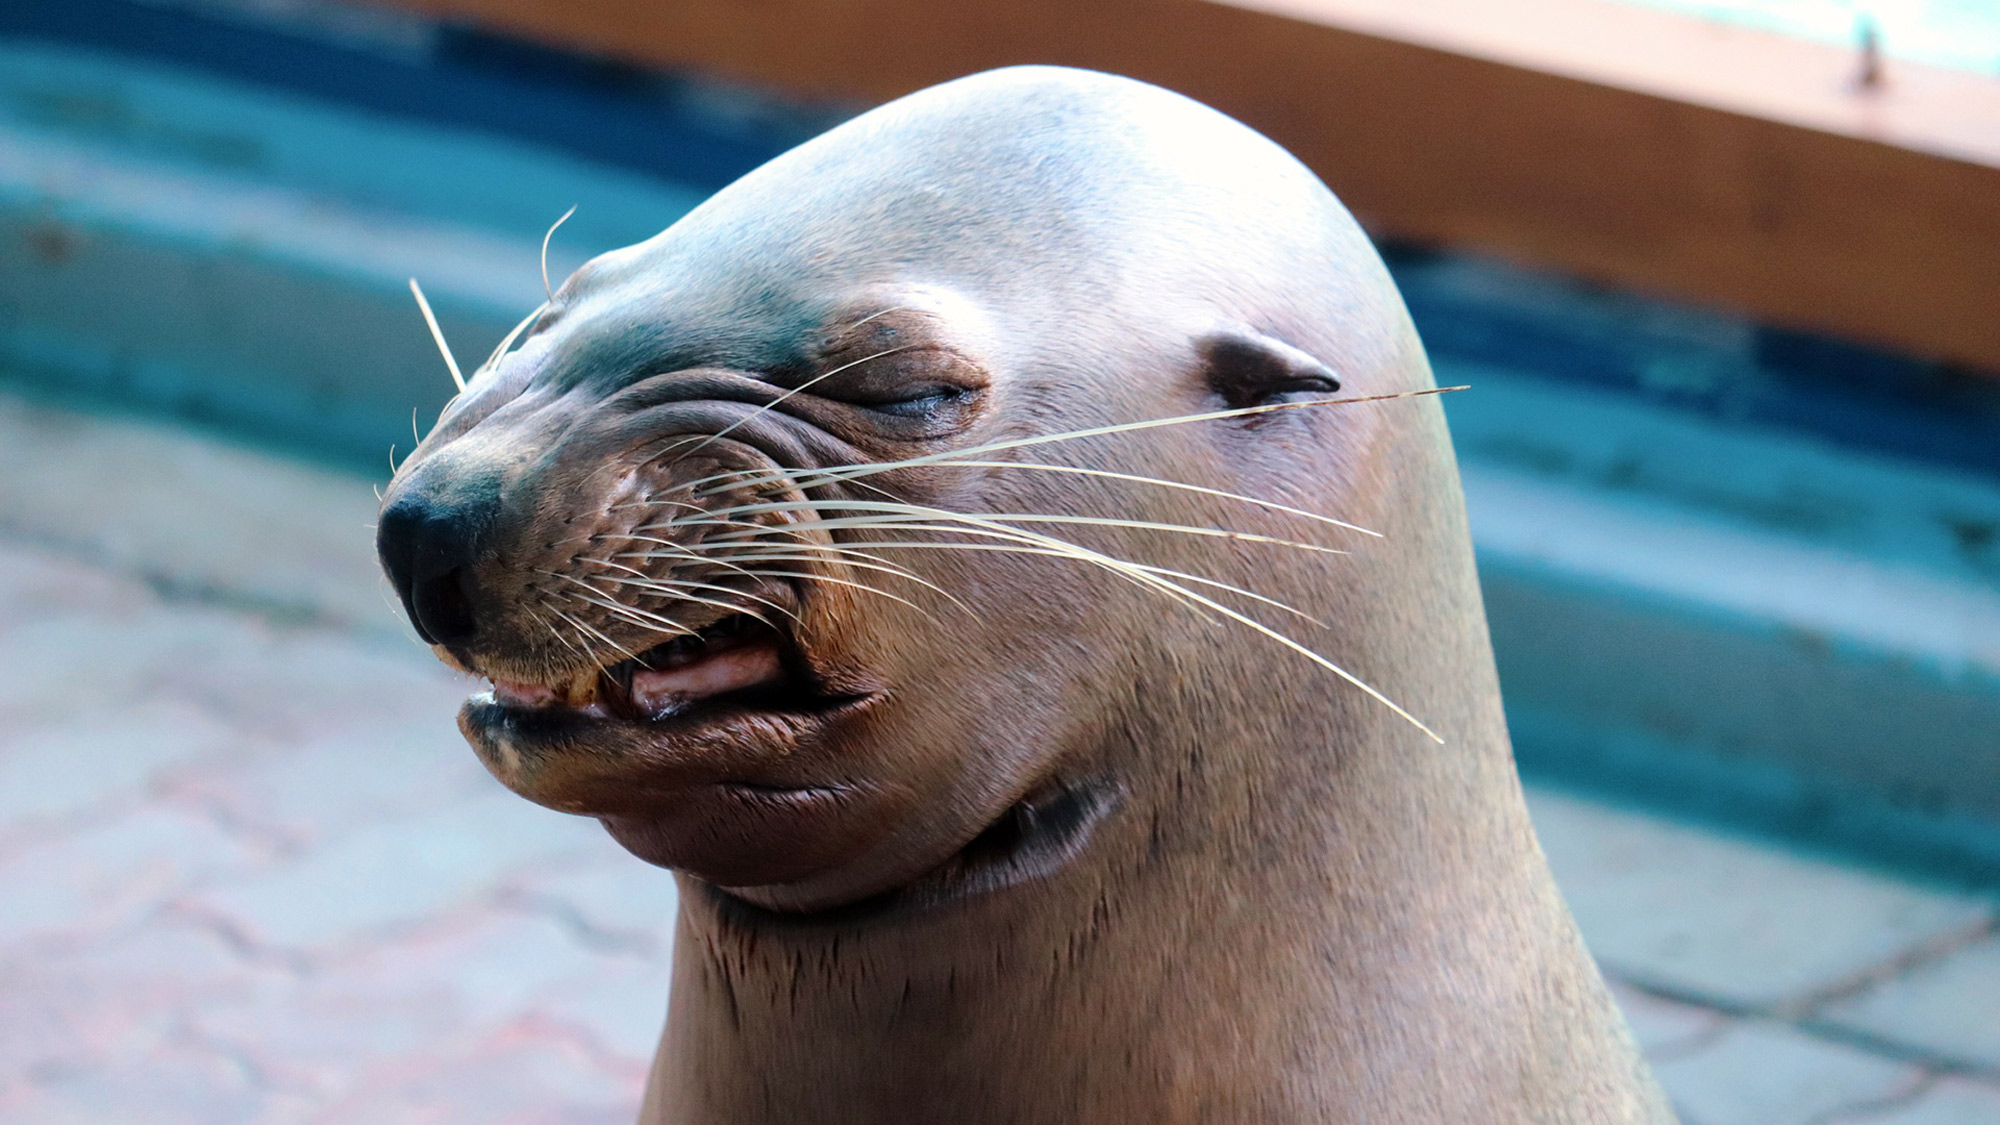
1245,963
1295,908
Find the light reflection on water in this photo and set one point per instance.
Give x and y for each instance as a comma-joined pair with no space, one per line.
1963,34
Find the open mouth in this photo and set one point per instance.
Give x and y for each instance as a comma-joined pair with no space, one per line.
706,752
740,658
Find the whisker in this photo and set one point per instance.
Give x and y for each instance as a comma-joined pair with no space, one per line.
677,588
557,634
507,341
743,544
437,334
1015,517
899,515
1183,486
651,622
1167,572
860,560
794,539
1322,661
1151,576
673,550
816,477
652,502
767,407
903,517
752,551
546,288
1273,634
855,585
775,552
875,315
583,627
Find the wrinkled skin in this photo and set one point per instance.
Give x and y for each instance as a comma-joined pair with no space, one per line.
1001,835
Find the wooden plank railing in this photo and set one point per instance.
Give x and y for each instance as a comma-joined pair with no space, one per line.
1633,146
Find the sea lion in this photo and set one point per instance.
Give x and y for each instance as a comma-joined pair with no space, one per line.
945,548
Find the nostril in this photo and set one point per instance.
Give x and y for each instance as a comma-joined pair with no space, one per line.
441,608
396,546
430,538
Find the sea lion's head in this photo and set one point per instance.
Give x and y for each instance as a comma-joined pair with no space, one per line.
767,533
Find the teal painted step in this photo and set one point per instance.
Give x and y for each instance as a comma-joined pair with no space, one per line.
1740,622
1736,621
186,243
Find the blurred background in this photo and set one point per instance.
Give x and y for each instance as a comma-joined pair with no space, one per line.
1723,275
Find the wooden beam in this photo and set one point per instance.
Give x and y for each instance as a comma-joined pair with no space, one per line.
1632,146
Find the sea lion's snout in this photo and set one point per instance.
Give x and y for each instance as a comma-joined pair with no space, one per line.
682,585
637,610
427,547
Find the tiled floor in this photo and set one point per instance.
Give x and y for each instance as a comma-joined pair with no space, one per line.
248,872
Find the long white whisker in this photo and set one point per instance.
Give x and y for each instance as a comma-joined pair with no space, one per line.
1266,630
875,315
507,341
1010,517
651,622
437,334
584,627
767,407
546,288
855,585
793,537
557,634
672,550
678,587
814,478
1152,576
1183,486
1038,549
752,551
903,517
770,552
787,536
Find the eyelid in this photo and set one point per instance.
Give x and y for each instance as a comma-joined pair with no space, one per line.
916,406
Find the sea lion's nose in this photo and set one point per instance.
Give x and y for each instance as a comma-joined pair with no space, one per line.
427,549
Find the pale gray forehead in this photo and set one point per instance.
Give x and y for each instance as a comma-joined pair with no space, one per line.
1032,186
1028,165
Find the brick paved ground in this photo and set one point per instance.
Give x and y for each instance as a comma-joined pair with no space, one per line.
248,873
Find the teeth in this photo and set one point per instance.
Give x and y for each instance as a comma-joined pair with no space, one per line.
668,679
665,691
522,694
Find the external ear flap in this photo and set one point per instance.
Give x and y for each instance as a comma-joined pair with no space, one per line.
1247,368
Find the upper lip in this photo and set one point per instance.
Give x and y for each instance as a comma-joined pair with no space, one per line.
730,655
597,762
680,685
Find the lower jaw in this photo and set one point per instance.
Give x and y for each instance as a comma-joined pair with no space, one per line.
745,836
1033,839
708,801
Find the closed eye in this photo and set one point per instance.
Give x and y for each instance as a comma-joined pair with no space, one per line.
921,402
